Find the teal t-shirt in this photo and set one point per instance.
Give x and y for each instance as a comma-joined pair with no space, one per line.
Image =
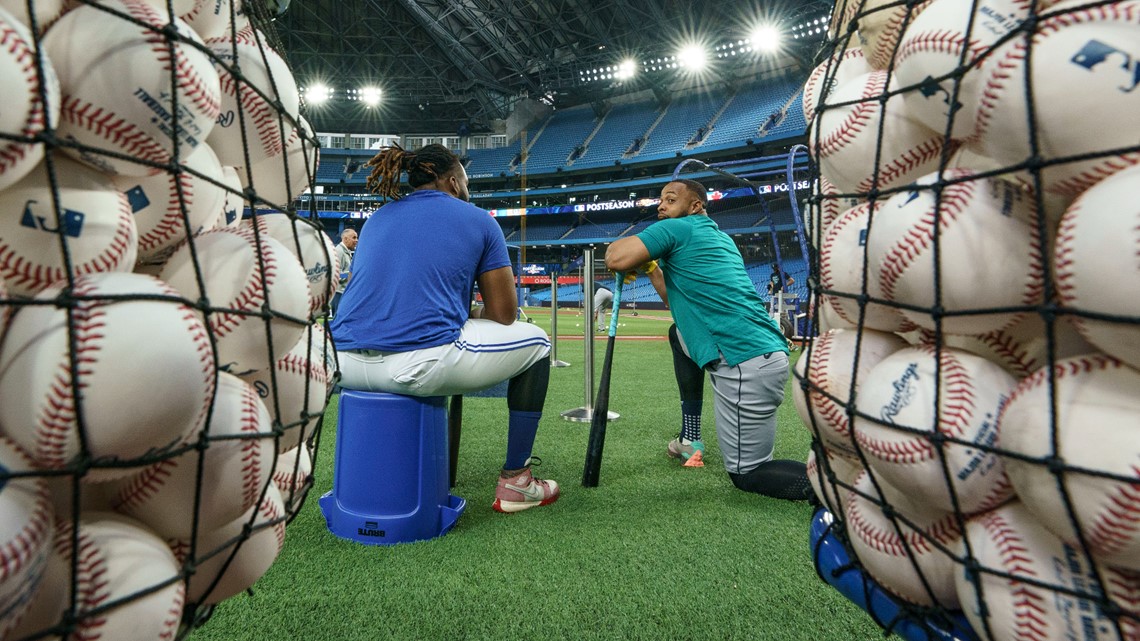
714,303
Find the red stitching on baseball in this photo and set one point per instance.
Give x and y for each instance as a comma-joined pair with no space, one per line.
170,224
1117,524
194,88
1028,604
106,125
251,297
920,237
24,56
893,30
251,446
56,418
910,160
145,485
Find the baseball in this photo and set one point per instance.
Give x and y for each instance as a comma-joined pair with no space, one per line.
1097,419
1010,541
312,247
25,533
24,114
831,204
302,383
223,480
899,563
1097,243
827,365
881,24
293,476
826,479
243,278
116,76
234,205
43,11
117,559
830,74
211,18
1022,348
909,396
37,406
270,102
157,202
935,47
841,270
95,220
1082,73
280,181
845,140
989,256
252,553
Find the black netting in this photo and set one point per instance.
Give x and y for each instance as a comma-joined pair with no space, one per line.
971,390
165,364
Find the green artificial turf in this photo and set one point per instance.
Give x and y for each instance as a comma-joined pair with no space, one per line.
656,551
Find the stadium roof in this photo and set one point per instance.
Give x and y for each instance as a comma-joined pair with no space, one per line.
441,63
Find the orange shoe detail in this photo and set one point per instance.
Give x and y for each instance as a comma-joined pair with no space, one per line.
696,460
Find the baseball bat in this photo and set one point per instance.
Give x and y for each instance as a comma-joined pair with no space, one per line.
600,417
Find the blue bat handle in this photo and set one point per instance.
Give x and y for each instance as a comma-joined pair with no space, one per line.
618,278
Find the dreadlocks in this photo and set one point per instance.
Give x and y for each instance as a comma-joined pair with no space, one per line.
425,165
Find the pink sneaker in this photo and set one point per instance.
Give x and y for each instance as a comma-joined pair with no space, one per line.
522,492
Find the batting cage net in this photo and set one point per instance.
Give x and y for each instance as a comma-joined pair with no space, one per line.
974,394
164,364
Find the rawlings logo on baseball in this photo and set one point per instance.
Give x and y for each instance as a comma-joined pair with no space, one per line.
904,393
1096,52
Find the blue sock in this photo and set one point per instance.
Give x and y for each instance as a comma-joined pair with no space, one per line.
691,420
522,426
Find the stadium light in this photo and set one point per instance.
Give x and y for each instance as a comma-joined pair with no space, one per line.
765,38
317,93
692,57
370,96
626,69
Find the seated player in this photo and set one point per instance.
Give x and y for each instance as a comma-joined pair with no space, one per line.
405,324
720,326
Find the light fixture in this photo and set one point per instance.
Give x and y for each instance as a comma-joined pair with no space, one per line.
765,38
692,57
626,69
317,93
370,96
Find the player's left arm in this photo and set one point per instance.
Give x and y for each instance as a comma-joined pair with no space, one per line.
657,279
500,300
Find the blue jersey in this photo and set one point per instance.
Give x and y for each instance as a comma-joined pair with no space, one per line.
413,272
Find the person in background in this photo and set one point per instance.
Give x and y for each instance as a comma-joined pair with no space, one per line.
778,281
720,327
405,323
603,300
343,261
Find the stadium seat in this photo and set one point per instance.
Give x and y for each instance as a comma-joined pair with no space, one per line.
390,474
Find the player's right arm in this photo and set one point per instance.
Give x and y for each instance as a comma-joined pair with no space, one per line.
500,300
626,254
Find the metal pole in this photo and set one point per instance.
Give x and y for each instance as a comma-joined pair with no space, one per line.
585,414
554,362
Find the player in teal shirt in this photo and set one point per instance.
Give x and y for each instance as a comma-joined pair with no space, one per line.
720,327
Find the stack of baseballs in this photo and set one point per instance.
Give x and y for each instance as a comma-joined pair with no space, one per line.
977,392
161,369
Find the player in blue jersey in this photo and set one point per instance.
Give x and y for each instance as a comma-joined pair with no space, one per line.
405,324
720,326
